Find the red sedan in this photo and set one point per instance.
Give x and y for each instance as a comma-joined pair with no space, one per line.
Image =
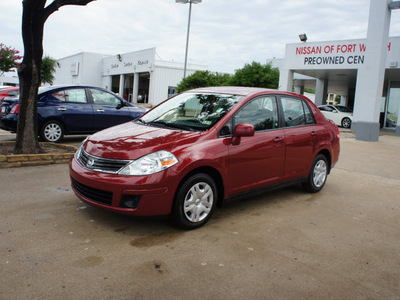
8,92
189,153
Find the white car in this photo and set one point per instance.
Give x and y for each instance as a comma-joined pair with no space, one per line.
341,115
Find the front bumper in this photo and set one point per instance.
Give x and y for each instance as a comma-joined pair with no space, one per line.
151,195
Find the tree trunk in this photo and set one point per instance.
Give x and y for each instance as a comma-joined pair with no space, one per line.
34,15
29,76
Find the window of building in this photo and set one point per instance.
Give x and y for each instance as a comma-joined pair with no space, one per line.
171,91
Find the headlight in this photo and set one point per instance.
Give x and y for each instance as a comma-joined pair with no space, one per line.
79,150
150,164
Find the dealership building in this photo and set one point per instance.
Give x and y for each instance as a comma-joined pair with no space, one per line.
364,72
137,76
331,69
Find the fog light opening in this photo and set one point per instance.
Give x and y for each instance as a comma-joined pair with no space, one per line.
130,201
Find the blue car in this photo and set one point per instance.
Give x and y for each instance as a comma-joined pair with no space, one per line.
72,110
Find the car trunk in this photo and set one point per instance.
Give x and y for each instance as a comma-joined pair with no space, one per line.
6,105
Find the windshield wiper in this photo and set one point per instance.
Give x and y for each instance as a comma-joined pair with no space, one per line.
171,125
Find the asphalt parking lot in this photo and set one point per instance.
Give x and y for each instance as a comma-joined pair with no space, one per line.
342,243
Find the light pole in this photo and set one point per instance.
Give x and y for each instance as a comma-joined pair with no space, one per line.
188,28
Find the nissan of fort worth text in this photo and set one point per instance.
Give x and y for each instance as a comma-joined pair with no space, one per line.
187,154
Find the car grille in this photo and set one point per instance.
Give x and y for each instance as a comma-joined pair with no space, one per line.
99,164
95,195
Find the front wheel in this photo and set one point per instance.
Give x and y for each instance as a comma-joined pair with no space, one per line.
52,131
318,175
195,201
346,123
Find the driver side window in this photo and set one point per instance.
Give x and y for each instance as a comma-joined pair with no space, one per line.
104,98
261,112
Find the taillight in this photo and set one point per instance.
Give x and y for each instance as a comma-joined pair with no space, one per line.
338,132
14,109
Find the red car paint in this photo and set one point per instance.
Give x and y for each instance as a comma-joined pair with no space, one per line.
8,92
237,163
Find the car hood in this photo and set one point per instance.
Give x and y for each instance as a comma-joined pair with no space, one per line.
131,140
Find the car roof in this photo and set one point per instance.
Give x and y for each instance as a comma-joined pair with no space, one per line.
8,88
44,89
236,90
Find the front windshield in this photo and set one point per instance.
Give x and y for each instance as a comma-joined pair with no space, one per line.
343,109
191,111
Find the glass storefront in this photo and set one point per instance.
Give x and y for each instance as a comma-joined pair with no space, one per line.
128,86
144,84
392,105
115,79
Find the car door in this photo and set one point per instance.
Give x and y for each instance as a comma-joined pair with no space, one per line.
301,135
258,160
108,110
71,107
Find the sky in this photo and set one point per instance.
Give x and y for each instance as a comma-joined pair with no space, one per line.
224,35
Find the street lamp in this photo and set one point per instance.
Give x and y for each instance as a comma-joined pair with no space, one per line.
303,37
188,28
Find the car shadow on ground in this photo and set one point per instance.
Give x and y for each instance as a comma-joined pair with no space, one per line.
157,230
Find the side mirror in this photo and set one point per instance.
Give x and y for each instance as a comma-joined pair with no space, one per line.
243,130
121,105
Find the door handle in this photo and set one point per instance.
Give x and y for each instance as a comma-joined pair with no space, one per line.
100,110
278,139
62,109
313,133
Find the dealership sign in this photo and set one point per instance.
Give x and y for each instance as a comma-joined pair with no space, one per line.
332,55
345,54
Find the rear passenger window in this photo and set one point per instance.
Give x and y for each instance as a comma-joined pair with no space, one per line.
261,112
308,114
296,112
71,95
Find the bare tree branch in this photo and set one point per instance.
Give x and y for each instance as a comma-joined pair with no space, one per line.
56,4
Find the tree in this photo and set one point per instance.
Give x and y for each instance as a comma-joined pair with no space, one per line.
34,15
202,79
8,58
257,75
47,70
253,75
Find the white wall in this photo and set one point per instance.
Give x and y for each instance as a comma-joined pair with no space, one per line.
88,72
9,78
167,74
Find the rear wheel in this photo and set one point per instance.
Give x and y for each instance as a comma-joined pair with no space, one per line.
195,201
318,174
346,122
52,131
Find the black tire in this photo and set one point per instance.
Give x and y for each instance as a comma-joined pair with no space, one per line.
318,174
52,131
195,201
346,122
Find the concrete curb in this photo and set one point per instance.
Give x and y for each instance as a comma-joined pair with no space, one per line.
24,160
